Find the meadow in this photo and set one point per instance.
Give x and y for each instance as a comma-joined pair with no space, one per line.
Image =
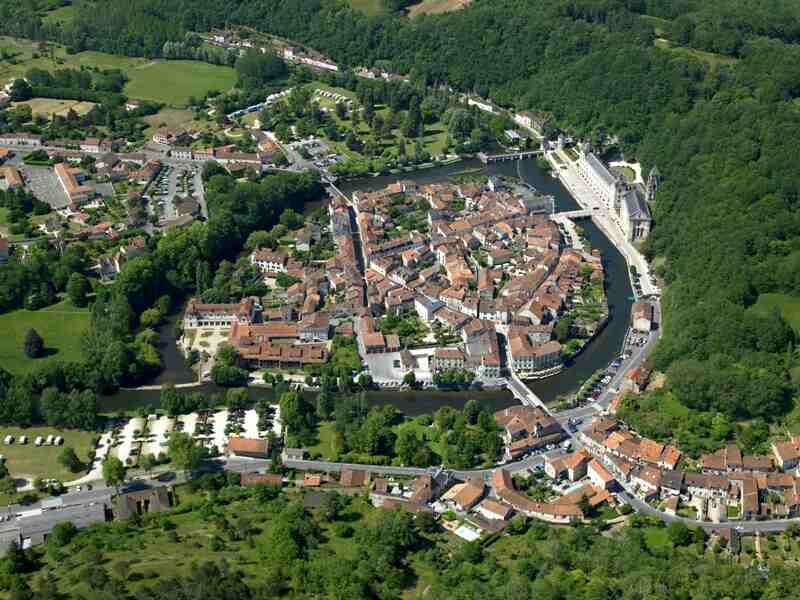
60,325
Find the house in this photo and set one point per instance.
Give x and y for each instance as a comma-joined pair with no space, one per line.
261,479
268,261
181,153
353,477
671,482
248,447
494,510
787,454
576,464
314,328
447,358
187,207
642,316
600,476
10,178
168,136
469,495
95,146
24,140
312,480
526,428
143,502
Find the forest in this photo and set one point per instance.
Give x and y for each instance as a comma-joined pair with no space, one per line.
721,132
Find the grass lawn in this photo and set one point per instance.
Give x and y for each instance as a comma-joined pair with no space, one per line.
176,118
326,444
707,57
31,461
61,326
172,82
626,172
788,305
659,25
64,14
369,7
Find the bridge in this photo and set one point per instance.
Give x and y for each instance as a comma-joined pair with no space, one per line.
490,158
572,214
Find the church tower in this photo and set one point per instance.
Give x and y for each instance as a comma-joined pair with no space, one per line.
652,184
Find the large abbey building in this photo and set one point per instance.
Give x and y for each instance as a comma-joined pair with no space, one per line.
629,202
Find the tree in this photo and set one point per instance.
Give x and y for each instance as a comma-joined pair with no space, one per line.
113,471
21,91
148,462
410,379
78,289
184,451
69,459
471,411
679,534
62,534
34,344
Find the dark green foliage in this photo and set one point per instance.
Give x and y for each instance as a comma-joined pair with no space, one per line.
33,344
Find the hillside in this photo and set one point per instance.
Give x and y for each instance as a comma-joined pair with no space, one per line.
223,541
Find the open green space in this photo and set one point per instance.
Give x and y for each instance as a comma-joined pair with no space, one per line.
369,7
31,461
62,15
173,82
626,172
707,57
788,305
60,325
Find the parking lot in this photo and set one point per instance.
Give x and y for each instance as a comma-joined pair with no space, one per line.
172,183
44,184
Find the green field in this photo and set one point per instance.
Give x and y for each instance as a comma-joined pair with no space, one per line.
62,15
172,82
61,326
369,7
29,461
788,305
707,57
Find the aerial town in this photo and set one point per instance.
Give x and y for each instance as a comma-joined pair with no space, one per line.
311,284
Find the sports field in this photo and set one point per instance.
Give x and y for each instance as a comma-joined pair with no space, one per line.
60,325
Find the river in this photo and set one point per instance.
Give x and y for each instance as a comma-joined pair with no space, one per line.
598,354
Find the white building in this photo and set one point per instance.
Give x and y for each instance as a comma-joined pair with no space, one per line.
268,261
219,315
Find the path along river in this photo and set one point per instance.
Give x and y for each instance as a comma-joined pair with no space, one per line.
598,354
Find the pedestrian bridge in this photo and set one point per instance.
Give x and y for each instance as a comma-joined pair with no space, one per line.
572,214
